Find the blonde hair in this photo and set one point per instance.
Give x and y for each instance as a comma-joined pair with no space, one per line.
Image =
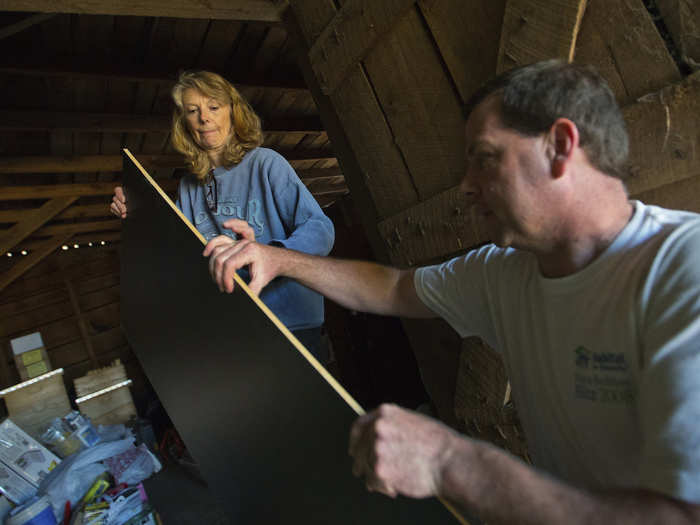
246,132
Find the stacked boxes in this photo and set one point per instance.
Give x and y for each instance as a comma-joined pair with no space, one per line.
23,463
30,356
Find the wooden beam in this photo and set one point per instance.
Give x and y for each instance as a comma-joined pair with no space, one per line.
352,33
49,191
74,212
330,186
245,10
113,163
164,79
124,123
37,218
82,325
318,173
26,263
682,18
26,23
80,227
432,229
664,136
536,30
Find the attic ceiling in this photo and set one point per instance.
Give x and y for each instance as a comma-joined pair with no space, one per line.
79,83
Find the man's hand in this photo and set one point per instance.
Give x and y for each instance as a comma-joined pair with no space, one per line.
400,452
118,205
227,255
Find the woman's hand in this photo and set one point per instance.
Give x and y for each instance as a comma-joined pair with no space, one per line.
118,206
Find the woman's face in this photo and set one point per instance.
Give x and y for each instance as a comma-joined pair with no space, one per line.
208,120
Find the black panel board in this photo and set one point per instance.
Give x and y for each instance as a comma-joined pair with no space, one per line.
270,434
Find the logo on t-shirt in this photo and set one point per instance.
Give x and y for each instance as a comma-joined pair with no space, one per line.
601,377
227,209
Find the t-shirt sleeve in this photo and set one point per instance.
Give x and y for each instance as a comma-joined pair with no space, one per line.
669,387
309,229
457,291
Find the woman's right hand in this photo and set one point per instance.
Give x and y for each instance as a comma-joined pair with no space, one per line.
118,206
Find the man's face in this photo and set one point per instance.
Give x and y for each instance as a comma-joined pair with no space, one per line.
506,178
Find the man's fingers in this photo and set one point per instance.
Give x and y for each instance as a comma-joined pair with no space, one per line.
240,227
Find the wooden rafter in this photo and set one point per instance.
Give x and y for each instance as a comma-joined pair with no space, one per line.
246,10
82,325
36,256
125,123
79,227
34,220
49,191
113,163
533,30
26,23
114,72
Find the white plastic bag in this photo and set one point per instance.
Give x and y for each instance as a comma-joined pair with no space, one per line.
74,476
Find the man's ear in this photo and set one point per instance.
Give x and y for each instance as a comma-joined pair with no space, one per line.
565,140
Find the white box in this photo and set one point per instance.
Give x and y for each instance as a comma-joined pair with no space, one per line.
15,487
26,343
23,454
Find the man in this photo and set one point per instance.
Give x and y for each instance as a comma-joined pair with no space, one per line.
593,301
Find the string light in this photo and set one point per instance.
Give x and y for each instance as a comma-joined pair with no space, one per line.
24,252
76,246
9,254
90,244
64,247
102,243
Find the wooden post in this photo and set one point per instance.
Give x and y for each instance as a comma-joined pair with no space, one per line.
81,323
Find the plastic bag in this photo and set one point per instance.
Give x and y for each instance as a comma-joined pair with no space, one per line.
74,476
133,465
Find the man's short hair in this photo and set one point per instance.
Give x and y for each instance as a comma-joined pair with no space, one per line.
534,96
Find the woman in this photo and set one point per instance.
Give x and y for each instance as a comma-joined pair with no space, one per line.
236,186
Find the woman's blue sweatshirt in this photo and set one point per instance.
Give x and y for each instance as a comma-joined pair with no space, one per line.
264,190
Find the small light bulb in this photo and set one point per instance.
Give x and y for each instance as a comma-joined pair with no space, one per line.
75,246
102,243
64,247
9,254
89,244
24,252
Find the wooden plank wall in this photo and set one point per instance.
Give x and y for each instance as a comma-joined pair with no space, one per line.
395,76
41,301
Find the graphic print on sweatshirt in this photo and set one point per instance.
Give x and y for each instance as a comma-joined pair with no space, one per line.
230,208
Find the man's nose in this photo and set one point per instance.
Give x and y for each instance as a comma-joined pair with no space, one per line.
469,188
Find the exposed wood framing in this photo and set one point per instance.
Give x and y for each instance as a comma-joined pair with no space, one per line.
664,136
95,238
26,263
125,123
49,191
26,23
115,72
536,30
354,31
87,341
682,18
113,163
430,230
418,95
249,10
620,39
470,56
34,220
303,28
80,227
681,195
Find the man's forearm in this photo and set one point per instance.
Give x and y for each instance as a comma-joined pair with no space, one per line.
484,480
357,285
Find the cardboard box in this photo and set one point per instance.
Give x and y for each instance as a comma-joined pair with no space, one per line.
30,356
15,487
23,454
